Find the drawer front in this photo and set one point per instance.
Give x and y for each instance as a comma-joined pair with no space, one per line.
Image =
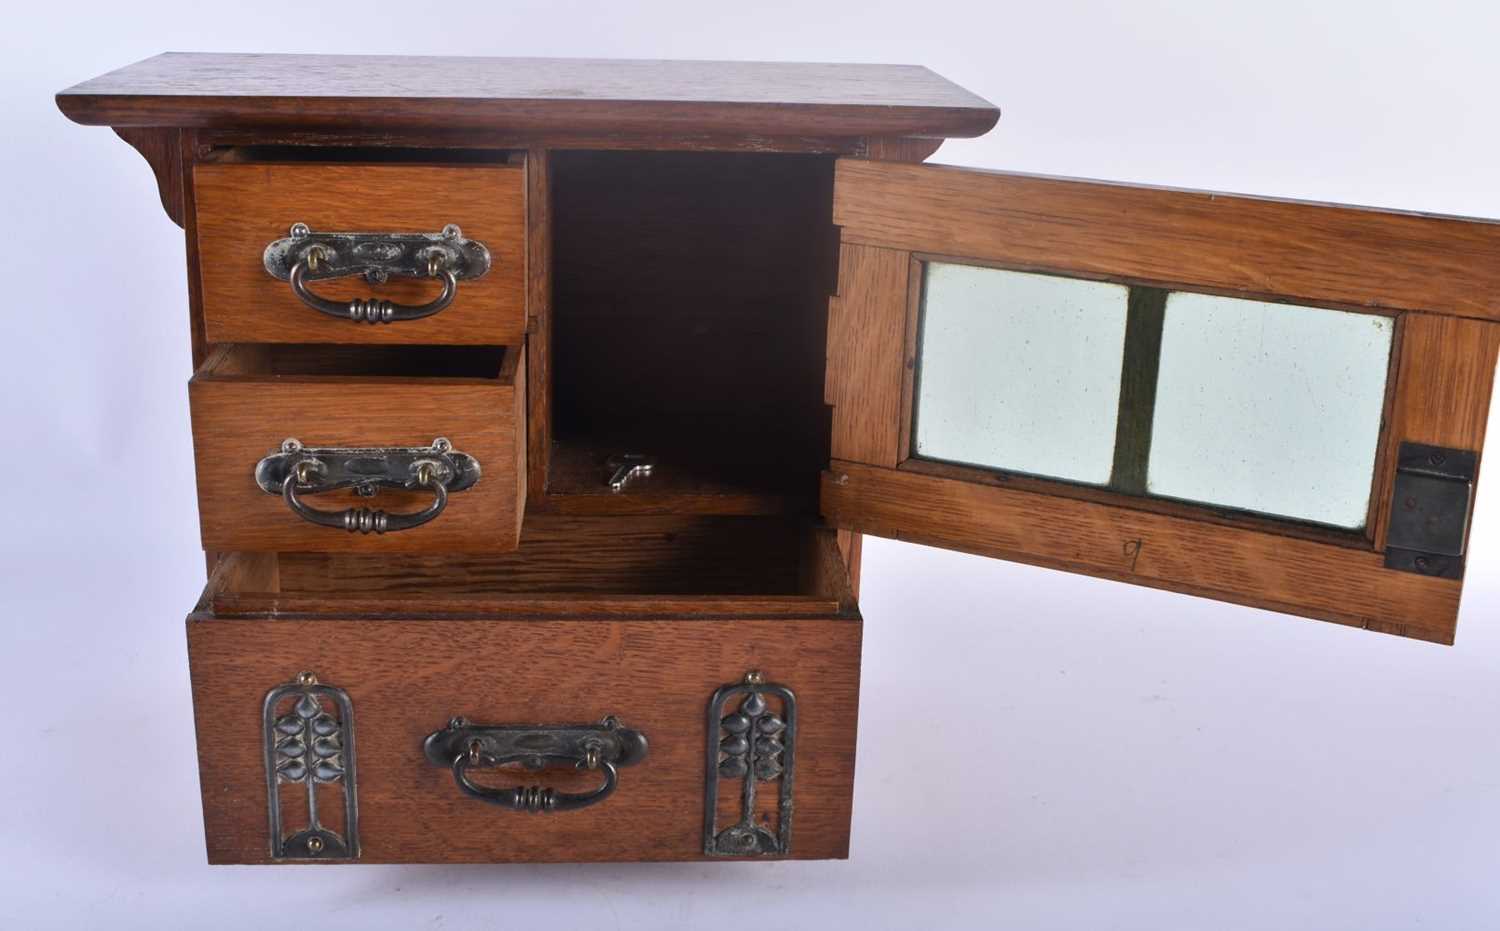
241,208
405,679
240,419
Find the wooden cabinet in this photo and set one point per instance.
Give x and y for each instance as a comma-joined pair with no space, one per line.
578,536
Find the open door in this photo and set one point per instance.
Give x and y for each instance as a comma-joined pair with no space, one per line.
1266,402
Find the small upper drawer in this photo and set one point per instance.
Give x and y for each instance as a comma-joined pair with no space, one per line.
244,207
367,418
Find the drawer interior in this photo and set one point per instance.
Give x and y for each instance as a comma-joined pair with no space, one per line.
566,565
297,359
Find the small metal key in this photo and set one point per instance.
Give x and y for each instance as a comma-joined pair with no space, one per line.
627,466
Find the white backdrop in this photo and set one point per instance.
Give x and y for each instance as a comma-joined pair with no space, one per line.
1120,758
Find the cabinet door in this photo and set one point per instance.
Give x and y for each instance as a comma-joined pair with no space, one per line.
1267,402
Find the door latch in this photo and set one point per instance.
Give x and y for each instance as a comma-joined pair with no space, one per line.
1430,506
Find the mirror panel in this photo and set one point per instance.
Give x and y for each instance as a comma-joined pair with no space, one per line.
1272,408
1019,372
1268,408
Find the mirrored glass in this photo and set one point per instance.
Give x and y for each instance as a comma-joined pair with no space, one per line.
1274,408
1019,372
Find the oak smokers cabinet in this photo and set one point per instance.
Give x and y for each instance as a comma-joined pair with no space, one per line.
539,407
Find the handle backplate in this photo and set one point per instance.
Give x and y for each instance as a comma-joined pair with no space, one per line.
366,469
376,256
297,471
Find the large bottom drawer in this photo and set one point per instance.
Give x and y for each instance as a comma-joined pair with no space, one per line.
746,700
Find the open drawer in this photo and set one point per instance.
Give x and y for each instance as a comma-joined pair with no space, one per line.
723,651
318,252
360,449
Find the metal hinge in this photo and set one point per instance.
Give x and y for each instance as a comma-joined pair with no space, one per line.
1430,506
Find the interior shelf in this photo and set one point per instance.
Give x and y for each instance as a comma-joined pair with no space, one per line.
683,480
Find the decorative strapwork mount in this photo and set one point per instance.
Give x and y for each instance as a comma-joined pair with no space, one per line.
601,748
1430,507
296,471
308,731
307,256
750,743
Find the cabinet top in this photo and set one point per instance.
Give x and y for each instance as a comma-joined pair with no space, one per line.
528,95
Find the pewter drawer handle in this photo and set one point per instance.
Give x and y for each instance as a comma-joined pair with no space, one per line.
602,747
297,471
306,256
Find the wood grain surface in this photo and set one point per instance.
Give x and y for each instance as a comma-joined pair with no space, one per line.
867,322
667,140
675,554
616,567
187,145
240,418
241,207
452,94
1170,238
1249,567
161,147
901,150
407,678
1444,378
539,321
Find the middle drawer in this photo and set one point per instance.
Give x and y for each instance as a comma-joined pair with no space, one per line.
367,417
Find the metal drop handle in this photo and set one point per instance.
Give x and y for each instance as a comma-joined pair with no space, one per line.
533,798
365,520
307,256
371,310
296,471
602,748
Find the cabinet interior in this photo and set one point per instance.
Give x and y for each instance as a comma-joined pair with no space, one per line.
689,324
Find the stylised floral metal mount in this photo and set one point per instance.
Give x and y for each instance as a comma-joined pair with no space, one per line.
750,744
309,741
